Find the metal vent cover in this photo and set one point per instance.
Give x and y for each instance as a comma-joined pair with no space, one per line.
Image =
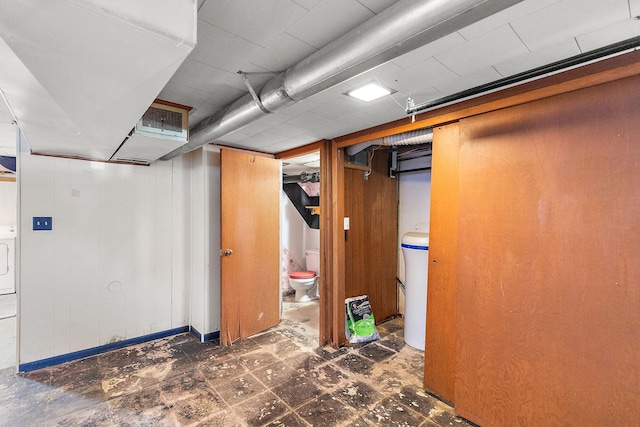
162,119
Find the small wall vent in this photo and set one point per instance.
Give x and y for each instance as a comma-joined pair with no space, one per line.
161,129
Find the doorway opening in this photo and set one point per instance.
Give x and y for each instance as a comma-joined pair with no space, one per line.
300,244
8,234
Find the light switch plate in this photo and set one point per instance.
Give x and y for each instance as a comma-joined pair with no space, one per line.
42,223
346,223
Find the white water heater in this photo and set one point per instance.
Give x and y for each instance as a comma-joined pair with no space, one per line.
415,250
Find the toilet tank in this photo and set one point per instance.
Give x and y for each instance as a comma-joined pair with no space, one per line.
313,260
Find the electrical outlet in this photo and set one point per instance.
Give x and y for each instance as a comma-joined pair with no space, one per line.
42,223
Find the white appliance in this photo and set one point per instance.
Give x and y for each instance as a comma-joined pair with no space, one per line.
415,248
7,259
7,265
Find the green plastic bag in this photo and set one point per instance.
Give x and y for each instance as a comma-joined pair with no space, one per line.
360,323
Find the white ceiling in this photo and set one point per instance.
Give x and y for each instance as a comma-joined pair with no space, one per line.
265,37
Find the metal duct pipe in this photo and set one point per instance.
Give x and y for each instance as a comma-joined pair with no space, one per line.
420,136
401,28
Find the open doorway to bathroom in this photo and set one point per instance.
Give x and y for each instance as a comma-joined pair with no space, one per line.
8,233
300,244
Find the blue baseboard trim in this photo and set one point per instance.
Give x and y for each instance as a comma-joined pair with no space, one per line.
212,336
81,354
206,337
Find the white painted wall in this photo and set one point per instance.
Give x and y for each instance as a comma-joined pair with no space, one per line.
8,203
414,207
293,229
203,167
415,197
115,265
311,238
195,169
213,288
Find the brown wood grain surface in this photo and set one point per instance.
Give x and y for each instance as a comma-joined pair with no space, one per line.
548,315
440,341
371,242
250,277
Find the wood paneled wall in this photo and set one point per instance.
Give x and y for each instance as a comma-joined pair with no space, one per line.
372,241
548,279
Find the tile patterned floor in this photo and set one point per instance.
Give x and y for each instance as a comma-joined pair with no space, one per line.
278,378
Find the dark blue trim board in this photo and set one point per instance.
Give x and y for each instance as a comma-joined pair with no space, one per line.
206,337
63,358
212,336
420,248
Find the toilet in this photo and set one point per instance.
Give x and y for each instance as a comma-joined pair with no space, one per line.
305,283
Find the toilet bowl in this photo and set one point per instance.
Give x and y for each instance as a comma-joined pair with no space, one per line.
305,283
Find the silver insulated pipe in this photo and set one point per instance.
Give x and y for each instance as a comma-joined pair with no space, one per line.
401,28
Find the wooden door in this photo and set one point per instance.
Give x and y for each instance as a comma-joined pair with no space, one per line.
548,281
250,244
440,340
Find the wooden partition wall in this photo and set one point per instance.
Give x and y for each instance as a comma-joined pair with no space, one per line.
548,276
371,242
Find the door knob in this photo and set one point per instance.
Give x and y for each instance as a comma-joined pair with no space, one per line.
228,252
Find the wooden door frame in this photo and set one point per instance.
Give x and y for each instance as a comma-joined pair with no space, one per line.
331,283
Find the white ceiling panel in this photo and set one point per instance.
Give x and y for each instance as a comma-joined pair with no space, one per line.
205,78
427,73
221,49
307,4
619,31
300,107
502,18
568,18
265,138
288,130
290,143
634,8
384,107
196,115
338,109
491,48
323,24
261,22
252,129
468,81
5,114
279,56
536,59
7,135
377,6
427,51
311,121
184,95
274,119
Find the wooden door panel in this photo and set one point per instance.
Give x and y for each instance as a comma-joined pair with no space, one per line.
250,218
440,341
548,325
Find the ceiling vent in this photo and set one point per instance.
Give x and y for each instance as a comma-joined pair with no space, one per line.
161,129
